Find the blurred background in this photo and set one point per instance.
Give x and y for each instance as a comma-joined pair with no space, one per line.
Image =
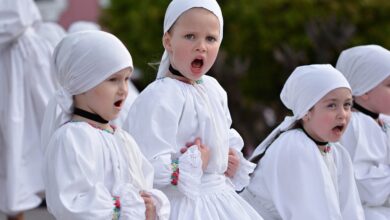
264,40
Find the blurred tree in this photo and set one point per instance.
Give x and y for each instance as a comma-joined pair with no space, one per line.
264,40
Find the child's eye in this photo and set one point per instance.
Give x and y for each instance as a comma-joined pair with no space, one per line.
127,79
348,105
112,79
211,39
189,36
332,106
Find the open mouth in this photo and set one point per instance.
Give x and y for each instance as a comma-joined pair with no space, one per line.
338,128
118,103
197,63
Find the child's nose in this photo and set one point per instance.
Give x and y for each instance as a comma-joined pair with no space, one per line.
201,46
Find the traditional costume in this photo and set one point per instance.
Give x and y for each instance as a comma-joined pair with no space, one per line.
91,173
294,179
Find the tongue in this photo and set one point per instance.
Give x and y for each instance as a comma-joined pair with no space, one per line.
197,63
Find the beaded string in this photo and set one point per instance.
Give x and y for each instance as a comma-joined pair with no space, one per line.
117,208
175,171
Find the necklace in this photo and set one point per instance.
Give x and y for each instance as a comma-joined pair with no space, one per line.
89,115
365,111
176,72
322,145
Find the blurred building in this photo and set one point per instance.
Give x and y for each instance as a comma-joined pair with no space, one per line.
66,12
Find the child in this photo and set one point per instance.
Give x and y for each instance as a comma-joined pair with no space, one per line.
26,84
303,173
367,139
94,170
183,123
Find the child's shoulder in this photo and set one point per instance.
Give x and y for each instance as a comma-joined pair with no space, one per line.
291,142
73,131
163,88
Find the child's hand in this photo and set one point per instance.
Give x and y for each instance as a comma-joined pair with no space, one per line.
204,151
233,163
149,205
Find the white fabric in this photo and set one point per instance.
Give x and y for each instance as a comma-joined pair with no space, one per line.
385,118
364,67
26,84
85,167
168,114
294,181
15,17
174,10
303,89
369,147
81,61
83,26
51,31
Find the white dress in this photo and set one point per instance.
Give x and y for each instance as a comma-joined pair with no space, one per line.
26,85
85,167
168,114
296,181
369,147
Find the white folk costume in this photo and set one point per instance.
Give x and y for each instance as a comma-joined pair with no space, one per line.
86,169
294,180
168,114
26,85
368,142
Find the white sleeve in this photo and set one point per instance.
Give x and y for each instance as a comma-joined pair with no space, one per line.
350,204
370,159
153,122
74,181
298,181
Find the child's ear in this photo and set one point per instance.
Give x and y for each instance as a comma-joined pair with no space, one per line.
167,42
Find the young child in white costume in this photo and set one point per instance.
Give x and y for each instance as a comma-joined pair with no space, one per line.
302,172
92,169
367,139
182,121
26,85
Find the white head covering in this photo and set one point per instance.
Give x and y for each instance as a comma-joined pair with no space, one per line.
302,90
174,10
81,61
15,17
83,26
364,67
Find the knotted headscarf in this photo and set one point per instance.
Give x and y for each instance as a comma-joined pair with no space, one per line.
364,67
81,61
302,90
174,10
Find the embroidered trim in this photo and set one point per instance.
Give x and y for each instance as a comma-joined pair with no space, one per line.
175,171
117,203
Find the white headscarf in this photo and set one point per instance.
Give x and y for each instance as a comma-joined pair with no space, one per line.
15,17
83,26
364,67
81,61
174,10
302,90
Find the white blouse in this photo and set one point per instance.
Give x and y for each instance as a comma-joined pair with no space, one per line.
170,113
369,147
86,167
295,180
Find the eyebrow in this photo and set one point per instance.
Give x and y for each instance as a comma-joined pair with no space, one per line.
334,99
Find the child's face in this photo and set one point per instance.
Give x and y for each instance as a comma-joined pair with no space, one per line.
193,42
329,117
107,98
378,98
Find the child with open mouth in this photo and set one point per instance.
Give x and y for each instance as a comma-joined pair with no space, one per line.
302,172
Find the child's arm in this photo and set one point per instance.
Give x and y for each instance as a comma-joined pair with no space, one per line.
74,165
153,122
298,180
